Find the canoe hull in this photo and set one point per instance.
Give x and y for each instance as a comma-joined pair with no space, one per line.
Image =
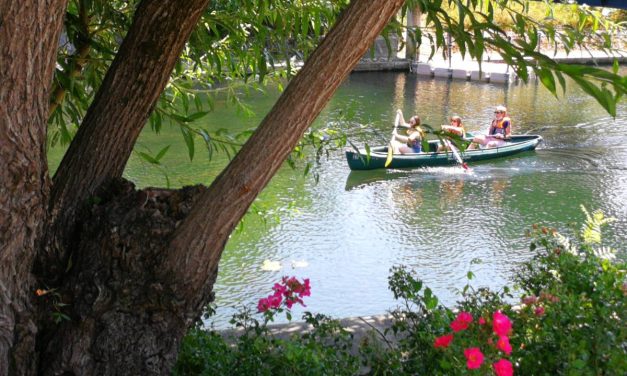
360,160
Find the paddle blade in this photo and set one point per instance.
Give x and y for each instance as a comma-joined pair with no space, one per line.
390,156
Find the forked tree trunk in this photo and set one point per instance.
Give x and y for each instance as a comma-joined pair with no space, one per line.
140,267
124,101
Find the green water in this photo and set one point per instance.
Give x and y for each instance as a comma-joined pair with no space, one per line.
345,231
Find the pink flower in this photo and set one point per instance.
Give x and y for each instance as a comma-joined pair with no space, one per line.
263,305
539,311
461,322
275,300
294,286
474,358
503,368
289,288
503,345
501,324
443,341
291,300
272,301
481,321
279,289
306,290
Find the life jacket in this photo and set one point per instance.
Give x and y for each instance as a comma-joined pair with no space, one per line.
499,126
461,126
416,142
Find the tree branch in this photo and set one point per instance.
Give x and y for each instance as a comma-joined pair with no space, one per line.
197,245
78,59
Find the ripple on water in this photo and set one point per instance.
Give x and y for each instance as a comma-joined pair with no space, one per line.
351,227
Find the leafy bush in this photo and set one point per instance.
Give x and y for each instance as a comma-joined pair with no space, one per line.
574,314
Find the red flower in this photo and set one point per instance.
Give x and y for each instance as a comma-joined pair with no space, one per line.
461,322
503,368
503,345
501,324
481,321
443,341
529,300
539,311
474,357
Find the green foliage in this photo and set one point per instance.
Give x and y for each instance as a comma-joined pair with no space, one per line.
241,45
421,319
238,45
325,350
582,297
478,26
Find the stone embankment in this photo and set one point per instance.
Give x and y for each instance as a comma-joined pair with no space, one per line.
492,68
360,327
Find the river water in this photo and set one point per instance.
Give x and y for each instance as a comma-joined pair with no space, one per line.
346,230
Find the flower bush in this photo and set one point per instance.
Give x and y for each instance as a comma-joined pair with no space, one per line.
467,332
289,291
567,318
570,318
574,307
256,351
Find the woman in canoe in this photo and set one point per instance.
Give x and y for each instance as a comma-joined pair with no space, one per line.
412,142
456,127
500,130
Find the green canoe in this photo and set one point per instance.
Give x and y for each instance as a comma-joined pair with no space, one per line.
360,160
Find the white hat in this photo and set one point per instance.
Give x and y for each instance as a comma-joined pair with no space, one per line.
501,108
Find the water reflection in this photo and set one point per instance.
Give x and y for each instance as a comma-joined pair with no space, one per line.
408,197
497,193
451,191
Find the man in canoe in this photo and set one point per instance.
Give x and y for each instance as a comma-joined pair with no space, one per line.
412,142
500,130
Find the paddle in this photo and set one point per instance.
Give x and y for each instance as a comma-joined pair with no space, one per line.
391,147
458,157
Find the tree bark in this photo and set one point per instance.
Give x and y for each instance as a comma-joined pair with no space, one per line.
26,66
123,318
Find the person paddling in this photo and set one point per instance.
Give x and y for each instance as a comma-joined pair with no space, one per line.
412,142
456,127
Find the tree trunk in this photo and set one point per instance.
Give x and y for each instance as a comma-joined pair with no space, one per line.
123,318
25,61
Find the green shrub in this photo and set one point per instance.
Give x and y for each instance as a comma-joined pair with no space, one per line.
573,321
325,350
